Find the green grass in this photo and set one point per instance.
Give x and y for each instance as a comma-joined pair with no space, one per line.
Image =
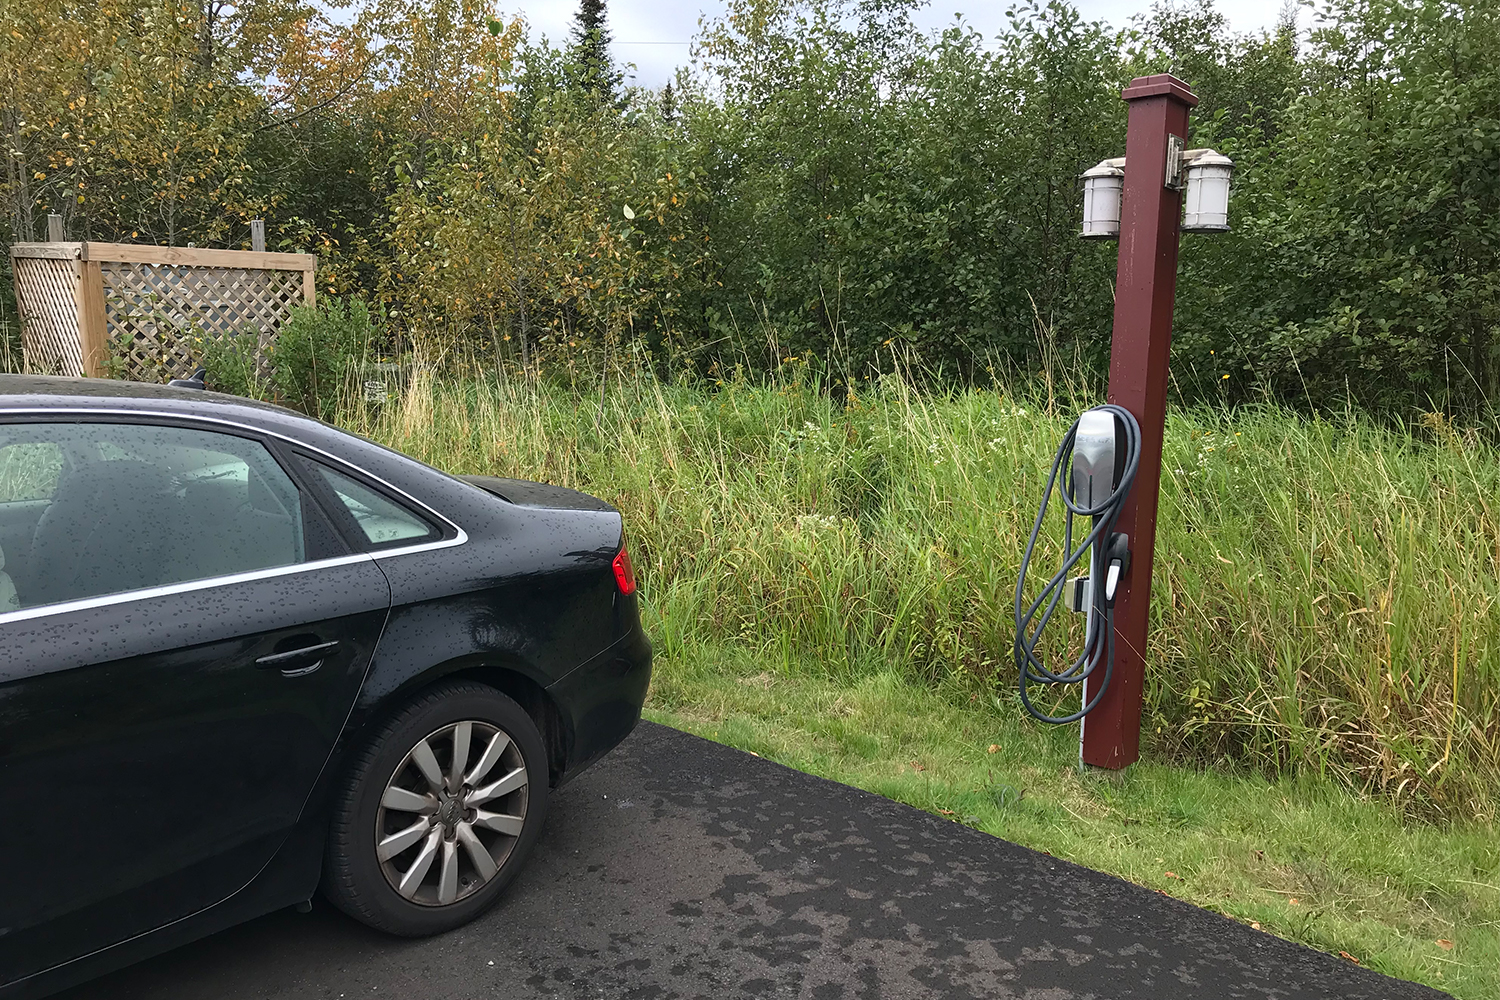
1300,857
1326,596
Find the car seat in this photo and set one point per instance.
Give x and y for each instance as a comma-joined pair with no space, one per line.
104,532
9,601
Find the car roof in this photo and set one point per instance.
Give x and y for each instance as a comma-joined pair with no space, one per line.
45,392
33,393
79,390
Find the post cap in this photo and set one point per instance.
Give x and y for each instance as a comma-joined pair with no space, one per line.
1162,84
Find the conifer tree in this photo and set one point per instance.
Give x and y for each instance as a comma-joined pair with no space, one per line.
668,104
590,51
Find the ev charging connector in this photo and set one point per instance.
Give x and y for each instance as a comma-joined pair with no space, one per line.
1097,467
1098,457
1103,452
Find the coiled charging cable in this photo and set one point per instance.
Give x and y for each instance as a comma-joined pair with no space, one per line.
1109,559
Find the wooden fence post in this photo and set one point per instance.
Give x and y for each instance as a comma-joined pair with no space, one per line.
93,330
310,283
54,228
258,235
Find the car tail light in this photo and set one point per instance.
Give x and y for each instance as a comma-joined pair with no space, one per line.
624,574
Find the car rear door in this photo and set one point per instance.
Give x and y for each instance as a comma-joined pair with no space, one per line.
188,637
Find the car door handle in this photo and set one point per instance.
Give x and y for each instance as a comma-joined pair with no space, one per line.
297,662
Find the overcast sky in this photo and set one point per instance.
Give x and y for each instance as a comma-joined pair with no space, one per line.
654,34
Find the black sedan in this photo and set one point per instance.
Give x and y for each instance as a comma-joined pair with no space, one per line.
245,657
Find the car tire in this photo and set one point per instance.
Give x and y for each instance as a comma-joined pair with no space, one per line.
410,831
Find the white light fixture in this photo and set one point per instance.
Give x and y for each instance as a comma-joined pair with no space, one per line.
1206,205
1102,187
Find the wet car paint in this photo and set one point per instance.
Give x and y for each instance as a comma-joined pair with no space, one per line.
518,592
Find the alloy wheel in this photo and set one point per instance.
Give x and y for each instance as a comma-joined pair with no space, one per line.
451,812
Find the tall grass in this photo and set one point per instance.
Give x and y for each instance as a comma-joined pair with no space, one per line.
1325,592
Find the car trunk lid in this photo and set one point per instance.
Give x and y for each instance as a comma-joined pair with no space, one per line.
523,493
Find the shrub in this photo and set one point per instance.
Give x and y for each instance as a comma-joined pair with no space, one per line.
232,366
318,350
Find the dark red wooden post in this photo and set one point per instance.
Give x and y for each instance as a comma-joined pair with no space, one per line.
1145,288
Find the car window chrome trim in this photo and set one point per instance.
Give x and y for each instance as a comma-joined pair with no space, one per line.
168,589
406,550
460,538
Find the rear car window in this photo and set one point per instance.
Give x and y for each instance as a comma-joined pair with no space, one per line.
130,506
381,521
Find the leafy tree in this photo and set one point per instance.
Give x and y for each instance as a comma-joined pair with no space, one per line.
553,230
116,120
1365,259
870,189
132,118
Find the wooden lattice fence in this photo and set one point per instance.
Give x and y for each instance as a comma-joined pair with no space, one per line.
145,313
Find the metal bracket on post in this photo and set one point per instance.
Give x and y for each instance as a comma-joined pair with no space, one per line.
1174,162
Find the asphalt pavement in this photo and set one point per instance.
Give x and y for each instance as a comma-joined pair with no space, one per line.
677,867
